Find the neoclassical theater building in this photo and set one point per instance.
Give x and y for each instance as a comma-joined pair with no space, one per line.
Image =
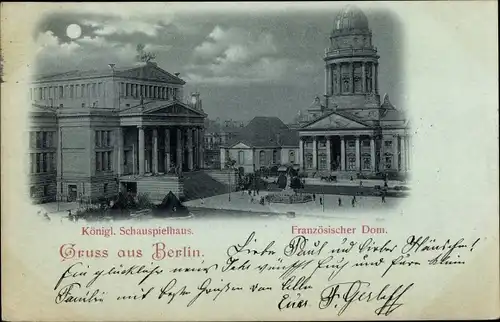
94,133
351,131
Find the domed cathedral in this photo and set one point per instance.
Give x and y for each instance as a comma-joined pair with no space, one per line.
350,132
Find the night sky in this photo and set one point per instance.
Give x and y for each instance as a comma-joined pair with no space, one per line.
244,64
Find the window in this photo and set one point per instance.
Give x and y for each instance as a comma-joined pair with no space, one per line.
366,143
366,162
61,92
291,157
97,138
44,139
309,160
44,162
262,157
93,90
32,163
104,138
53,160
109,160
108,142
388,144
351,162
388,161
241,157
105,188
351,143
322,161
33,140
275,156
98,161
38,157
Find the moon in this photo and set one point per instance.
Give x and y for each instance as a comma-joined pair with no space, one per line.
74,31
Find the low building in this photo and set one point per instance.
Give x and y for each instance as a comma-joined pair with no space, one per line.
94,133
217,135
264,142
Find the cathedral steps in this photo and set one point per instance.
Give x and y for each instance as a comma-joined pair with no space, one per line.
199,184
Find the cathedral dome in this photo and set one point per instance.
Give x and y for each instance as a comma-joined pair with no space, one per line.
350,17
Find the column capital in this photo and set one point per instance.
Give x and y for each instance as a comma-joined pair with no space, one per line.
141,127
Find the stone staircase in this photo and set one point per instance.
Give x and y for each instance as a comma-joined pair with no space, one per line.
200,184
223,176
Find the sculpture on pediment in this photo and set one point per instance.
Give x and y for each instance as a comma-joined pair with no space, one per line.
144,56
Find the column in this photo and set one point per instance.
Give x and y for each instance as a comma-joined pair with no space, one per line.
376,78
119,152
357,154
190,148
179,149
315,153
373,77
403,154
351,66
339,78
195,148
201,157
342,153
141,150
154,152
301,154
326,79
363,77
409,154
166,157
372,154
328,154
395,151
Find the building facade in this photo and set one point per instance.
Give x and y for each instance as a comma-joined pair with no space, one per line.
95,133
351,131
217,135
265,142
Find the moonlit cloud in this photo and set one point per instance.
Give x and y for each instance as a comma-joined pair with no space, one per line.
126,27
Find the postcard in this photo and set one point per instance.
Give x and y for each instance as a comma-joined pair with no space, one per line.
249,161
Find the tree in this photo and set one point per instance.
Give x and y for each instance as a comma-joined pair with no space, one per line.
142,55
282,181
295,183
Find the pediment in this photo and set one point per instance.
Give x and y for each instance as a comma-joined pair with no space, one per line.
240,145
175,108
151,72
334,121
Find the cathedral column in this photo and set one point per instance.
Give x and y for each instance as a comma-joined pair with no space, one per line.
179,150
373,77
342,153
328,154
315,153
189,138
395,159
327,77
301,154
372,154
403,154
357,154
351,66
166,158
339,78
195,147
154,152
119,151
201,158
363,77
409,155
141,150
376,78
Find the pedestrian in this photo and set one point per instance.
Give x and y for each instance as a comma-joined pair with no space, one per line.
383,198
314,197
340,202
321,201
70,215
353,202
361,183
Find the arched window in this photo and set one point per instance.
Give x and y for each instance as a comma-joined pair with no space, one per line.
241,157
291,156
262,157
322,161
275,156
351,162
309,160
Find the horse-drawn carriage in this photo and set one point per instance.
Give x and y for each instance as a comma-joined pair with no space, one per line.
329,178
